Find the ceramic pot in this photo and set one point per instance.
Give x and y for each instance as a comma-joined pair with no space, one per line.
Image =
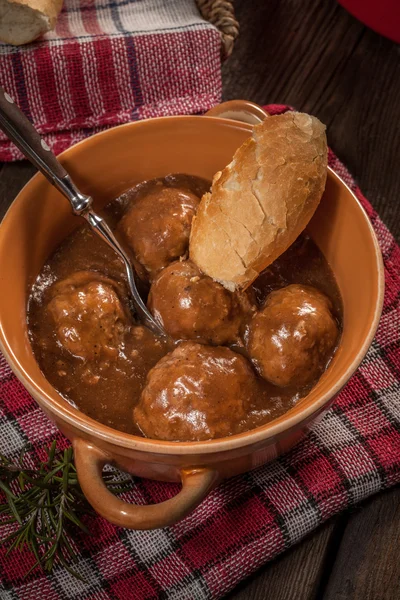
104,166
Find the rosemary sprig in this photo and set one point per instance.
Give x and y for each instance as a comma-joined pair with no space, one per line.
46,504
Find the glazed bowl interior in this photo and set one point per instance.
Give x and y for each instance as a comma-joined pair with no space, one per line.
111,162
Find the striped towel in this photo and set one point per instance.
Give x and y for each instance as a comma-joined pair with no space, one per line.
109,62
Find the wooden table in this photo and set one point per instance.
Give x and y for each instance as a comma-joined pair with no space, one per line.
313,55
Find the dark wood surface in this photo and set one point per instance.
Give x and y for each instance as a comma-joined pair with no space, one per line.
313,55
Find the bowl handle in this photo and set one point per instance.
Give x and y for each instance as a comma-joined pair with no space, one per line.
89,461
239,110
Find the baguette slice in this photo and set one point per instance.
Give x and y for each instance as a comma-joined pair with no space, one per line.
22,21
260,202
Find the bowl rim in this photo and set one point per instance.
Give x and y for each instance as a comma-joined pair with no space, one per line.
278,427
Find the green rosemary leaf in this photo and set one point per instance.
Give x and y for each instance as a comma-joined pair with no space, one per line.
51,453
7,490
33,567
21,481
48,476
68,546
74,519
11,504
46,506
10,536
35,547
65,477
17,537
70,570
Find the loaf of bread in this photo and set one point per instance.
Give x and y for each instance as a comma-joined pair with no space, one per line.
260,202
22,21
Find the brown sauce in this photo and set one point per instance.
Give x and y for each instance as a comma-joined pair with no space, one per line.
109,390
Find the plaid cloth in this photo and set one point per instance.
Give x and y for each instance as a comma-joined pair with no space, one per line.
353,452
109,62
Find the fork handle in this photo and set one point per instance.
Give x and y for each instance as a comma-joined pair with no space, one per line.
21,131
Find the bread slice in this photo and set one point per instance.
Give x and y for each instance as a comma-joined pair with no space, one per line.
262,200
22,21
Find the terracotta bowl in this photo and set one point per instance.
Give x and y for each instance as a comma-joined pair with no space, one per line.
104,166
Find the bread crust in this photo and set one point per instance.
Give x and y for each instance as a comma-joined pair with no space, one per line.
260,202
24,20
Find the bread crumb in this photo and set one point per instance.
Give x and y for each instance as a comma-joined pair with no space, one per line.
90,378
138,332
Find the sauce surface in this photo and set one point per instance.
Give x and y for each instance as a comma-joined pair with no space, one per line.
109,390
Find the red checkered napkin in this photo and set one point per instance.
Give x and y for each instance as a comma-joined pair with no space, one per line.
109,62
353,452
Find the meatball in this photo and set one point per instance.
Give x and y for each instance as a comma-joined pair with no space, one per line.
157,227
291,340
196,393
89,319
191,305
